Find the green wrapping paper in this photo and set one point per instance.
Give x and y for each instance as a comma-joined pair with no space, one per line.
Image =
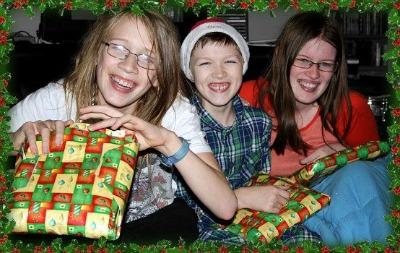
328,164
80,188
262,226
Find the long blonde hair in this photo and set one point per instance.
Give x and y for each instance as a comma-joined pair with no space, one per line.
81,82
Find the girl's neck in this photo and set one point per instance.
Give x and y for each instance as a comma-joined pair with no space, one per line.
305,114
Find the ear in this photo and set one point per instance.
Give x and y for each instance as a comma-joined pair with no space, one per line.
276,50
154,81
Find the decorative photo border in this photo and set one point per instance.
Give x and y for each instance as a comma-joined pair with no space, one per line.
391,56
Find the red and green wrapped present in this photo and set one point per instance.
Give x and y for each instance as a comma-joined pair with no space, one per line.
80,188
330,163
262,226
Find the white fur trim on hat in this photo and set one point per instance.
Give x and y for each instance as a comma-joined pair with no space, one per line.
209,27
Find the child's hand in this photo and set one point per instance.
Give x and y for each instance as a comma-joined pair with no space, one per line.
266,198
29,130
148,135
322,151
102,112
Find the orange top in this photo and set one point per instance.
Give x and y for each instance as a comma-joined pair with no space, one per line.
311,134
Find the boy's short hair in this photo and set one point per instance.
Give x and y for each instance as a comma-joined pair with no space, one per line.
215,38
205,27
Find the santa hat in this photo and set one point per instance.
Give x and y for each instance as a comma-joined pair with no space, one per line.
209,26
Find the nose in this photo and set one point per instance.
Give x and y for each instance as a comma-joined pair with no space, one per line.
129,65
219,71
313,71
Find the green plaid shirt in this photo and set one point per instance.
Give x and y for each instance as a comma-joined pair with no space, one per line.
241,150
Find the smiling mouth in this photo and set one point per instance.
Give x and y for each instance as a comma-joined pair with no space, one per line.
218,87
122,83
308,86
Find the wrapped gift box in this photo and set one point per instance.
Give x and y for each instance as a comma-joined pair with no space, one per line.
80,188
257,226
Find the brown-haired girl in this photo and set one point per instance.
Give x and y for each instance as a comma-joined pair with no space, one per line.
314,114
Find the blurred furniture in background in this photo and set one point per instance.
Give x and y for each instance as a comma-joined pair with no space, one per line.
36,61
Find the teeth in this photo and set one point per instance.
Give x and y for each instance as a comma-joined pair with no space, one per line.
219,87
122,83
309,85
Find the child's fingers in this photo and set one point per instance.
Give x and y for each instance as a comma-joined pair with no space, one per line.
283,191
59,126
30,136
107,123
93,115
282,201
98,112
45,133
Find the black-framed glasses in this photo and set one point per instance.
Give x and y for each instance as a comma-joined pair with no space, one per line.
122,53
323,66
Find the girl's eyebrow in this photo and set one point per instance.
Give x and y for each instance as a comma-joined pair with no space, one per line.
305,56
148,51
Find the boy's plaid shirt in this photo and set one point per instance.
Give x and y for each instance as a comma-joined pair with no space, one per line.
241,150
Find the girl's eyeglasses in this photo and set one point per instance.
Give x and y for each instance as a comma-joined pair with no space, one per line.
122,53
323,66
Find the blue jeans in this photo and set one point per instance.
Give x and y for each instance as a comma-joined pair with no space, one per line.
360,200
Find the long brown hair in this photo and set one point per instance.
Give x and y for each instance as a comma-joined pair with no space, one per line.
81,82
298,30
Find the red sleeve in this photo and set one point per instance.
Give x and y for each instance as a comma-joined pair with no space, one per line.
249,92
363,126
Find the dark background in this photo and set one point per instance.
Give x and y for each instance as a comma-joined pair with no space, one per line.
33,65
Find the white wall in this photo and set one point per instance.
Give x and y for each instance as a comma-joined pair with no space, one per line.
263,28
23,23
31,24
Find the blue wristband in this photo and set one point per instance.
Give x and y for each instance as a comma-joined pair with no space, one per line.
169,161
